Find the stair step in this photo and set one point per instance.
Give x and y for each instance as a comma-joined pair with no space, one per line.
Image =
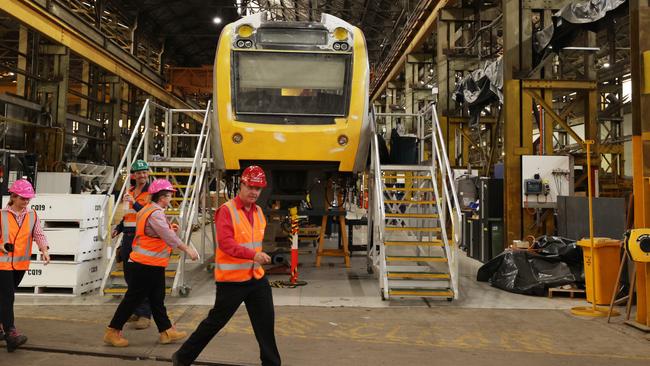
428,229
182,186
393,189
406,177
171,174
121,290
433,243
408,258
407,202
419,275
411,215
168,274
421,292
403,168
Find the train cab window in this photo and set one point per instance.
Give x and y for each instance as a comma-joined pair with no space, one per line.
290,88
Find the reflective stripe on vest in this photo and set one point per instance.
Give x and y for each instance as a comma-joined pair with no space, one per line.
21,236
130,215
146,249
231,269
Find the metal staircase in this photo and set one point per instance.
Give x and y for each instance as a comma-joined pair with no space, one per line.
415,219
158,144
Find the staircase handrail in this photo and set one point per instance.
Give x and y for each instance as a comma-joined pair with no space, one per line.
199,156
103,233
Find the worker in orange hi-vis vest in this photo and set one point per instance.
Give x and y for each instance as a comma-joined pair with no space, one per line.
238,274
19,227
136,197
154,239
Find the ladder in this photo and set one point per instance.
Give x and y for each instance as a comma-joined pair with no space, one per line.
159,144
415,219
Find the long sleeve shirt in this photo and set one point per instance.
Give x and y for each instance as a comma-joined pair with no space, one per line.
226,232
157,226
37,234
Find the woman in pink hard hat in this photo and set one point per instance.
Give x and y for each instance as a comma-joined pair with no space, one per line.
19,227
154,240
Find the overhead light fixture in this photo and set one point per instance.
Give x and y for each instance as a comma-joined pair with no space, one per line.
216,20
606,65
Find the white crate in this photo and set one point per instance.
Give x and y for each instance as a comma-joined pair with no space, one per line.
70,277
67,210
73,244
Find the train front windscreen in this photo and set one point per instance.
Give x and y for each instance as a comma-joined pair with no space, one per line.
290,87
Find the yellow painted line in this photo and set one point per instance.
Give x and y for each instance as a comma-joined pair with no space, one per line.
407,202
415,259
408,189
430,229
434,243
168,274
122,291
411,216
424,293
424,275
406,177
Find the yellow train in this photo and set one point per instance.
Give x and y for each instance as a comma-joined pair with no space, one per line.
291,97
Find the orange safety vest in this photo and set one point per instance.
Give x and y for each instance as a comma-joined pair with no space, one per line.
130,214
146,249
231,269
21,236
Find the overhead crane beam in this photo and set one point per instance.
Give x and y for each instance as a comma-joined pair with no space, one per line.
392,66
37,17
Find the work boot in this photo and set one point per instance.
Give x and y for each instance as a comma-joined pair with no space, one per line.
14,340
171,335
114,338
142,323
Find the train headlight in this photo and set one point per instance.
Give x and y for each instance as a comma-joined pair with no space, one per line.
341,34
342,140
337,46
245,31
241,43
248,44
237,138
344,46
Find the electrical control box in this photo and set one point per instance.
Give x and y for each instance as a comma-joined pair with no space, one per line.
543,178
533,186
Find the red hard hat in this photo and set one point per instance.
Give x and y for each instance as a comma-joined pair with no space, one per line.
254,176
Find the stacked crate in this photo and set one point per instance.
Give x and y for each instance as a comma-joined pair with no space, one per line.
70,223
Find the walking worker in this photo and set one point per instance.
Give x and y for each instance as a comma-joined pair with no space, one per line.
137,197
19,228
152,246
238,274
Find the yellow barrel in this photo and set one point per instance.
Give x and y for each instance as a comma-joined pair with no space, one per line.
607,256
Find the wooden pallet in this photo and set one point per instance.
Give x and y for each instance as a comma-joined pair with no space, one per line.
571,291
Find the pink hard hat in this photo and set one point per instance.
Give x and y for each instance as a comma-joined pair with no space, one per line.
23,188
161,185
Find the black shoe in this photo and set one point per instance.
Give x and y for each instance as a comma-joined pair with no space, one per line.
176,361
14,341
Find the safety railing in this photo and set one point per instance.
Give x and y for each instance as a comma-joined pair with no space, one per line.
449,208
376,251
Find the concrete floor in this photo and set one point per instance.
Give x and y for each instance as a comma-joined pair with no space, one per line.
339,319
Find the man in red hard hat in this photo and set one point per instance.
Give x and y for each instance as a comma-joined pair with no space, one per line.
239,274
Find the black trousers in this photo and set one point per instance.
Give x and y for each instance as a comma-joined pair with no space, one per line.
145,281
144,309
257,296
9,281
